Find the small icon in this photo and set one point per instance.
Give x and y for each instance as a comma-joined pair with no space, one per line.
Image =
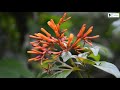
113,15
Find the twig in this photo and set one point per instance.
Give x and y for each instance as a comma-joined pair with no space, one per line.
65,64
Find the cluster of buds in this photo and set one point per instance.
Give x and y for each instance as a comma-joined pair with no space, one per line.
44,46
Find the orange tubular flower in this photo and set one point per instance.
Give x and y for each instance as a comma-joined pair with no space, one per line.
40,48
93,37
77,47
62,45
79,35
70,40
54,27
88,32
31,36
76,42
34,43
34,59
58,27
90,43
57,33
43,30
51,25
43,46
61,19
67,19
43,37
34,52
64,31
62,35
85,36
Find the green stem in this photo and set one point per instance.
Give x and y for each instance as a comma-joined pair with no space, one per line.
65,64
79,75
77,70
71,61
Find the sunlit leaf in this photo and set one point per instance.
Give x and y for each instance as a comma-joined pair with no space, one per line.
96,58
83,55
78,63
85,61
105,51
66,55
108,67
83,58
95,50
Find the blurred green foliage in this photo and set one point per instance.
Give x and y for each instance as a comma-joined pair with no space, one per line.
12,68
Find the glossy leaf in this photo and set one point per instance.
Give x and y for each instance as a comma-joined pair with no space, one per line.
45,75
86,61
55,74
95,50
108,67
66,55
96,58
105,51
64,74
83,55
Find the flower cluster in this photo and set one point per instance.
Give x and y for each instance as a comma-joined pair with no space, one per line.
44,45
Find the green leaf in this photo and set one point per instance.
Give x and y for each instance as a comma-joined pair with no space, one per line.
105,51
78,63
67,55
45,75
86,61
56,74
95,50
96,58
64,74
108,67
83,58
83,55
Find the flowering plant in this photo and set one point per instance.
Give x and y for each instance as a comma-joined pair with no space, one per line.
58,62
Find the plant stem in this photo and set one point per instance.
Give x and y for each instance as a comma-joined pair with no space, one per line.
72,63
79,75
65,64
78,72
